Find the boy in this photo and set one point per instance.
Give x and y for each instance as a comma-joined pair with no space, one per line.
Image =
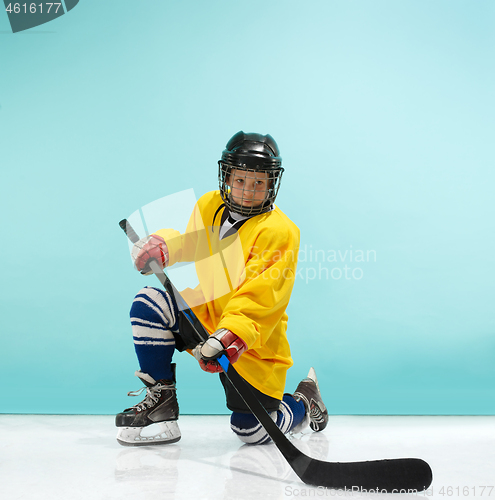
246,262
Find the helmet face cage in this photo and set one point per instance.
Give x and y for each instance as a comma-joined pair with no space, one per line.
249,173
257,191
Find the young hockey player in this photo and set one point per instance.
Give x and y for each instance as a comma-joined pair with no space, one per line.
245,253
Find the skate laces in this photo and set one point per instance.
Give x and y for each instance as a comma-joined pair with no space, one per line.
152,395
312,396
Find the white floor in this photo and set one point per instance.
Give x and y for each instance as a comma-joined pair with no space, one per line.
77,457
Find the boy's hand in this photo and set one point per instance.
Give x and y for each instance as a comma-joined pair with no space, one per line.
221,342
150,247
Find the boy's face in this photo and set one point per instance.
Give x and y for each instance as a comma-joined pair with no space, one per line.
248,188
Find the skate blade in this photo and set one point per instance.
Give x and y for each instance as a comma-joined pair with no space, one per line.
312,376
159,433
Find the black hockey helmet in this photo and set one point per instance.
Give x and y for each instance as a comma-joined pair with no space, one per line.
255,153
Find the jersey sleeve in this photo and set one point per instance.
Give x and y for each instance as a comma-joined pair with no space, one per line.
185,247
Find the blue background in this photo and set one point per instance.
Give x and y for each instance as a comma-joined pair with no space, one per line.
384,113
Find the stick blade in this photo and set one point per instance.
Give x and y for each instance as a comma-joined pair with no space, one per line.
399,475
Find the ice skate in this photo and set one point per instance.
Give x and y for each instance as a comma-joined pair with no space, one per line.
153,420
316,411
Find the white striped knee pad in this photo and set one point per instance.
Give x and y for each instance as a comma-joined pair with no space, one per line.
250,431
153,317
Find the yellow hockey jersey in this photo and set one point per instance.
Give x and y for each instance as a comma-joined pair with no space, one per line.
245,283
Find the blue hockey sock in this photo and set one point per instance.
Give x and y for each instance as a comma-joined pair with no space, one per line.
297,409
249,430
156,360
154,319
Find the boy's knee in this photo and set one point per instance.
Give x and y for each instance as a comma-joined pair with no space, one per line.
155,305
149,291
248,429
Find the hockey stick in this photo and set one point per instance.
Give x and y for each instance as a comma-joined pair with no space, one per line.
399,475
